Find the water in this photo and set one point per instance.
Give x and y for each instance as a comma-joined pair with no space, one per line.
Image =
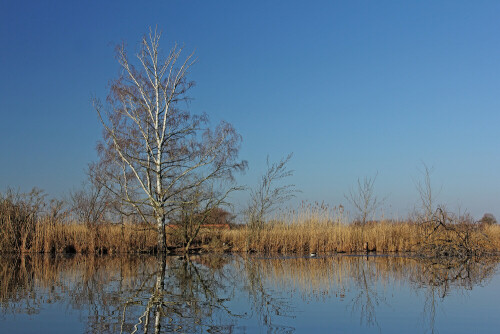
251,294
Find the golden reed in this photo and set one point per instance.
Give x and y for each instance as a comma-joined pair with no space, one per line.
317,237
298,233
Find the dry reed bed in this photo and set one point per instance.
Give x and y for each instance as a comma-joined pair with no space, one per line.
74,237
277,237
318,237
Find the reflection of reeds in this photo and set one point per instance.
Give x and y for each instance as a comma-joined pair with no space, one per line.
28,281
335,275
331,275
115,291
21,274
123,292
44,271
362,282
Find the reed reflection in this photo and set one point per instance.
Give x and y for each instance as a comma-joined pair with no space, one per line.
146,294
364,282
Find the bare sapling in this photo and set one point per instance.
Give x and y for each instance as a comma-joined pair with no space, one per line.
364,200
269,194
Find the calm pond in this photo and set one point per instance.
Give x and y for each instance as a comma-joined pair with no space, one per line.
247,294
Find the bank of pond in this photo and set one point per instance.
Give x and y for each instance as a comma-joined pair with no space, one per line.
275,237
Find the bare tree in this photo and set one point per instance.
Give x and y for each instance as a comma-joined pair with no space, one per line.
426,194
269,194
153,149
90,203
364,200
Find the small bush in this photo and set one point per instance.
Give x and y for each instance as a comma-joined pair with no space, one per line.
18,216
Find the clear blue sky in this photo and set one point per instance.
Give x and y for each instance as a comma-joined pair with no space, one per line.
351,87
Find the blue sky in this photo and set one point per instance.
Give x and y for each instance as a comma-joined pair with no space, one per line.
353,88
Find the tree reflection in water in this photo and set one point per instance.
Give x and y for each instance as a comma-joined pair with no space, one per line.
224,294
188,293
438,278
146,295
265,304
367,299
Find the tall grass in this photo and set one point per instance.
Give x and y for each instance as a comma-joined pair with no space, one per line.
49,236
312,229
315,229
82,238
319,237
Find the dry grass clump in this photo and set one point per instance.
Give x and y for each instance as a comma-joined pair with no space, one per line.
320,237
493,234
19,214
317,230
74,237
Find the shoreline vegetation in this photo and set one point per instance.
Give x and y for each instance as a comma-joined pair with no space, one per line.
309,232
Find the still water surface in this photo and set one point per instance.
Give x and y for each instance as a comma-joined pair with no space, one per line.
251,294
